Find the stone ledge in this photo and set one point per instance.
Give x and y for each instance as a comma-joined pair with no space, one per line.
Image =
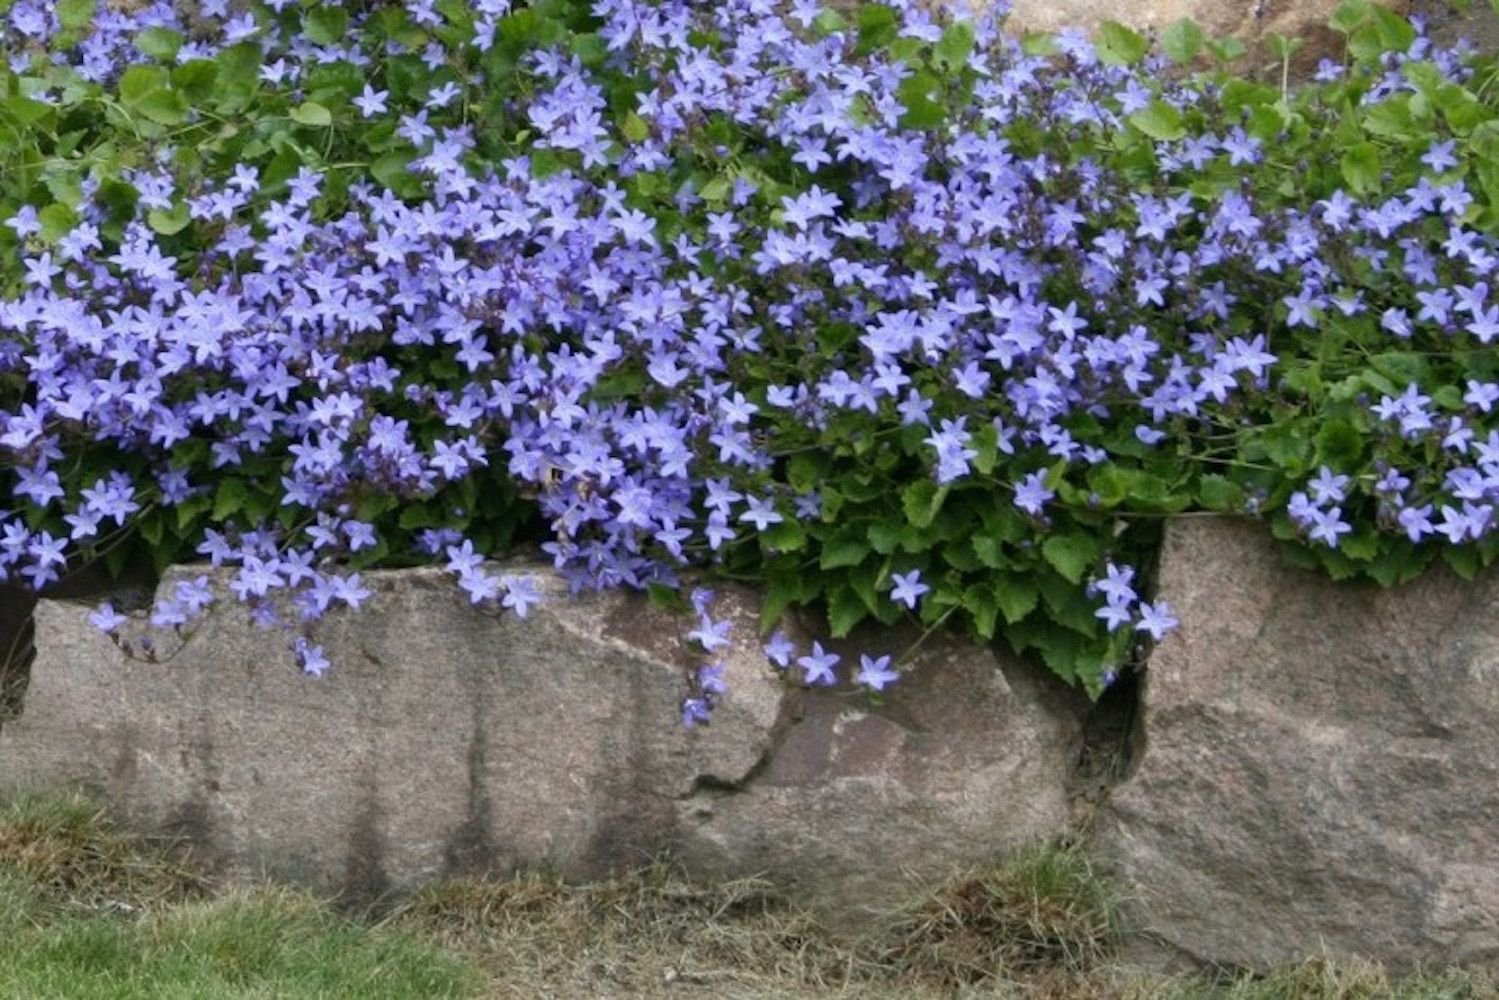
447,740
1319,764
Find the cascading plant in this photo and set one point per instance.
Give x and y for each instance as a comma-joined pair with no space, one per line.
885,311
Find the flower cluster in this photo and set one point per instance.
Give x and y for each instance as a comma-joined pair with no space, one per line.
895,314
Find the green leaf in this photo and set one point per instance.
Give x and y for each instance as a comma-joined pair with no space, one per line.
325,25
195,79
717,190
165,107
1287,446
1017,596
1339,444
139,82
985,442
884,537
394,171
1284,46
919,95
153,529
990,551
1062,653
1393,32
1350,15
1403,367
781,591
169,223
878,27
238,76
666,598
591,48
1226,50
57,221
1463,560
1391,118
1159,120
845,610
844,551
921,501
312,113
1361,168
787,536
981,604
1182,40
1039,44
415,516
1071,554
635,128
159,43
1118,45
955,46
74,15
828,21
190,509
230,498
1220,493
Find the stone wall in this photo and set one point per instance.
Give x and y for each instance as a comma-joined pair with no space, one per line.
445,740
1315,763
1244,18
1320,763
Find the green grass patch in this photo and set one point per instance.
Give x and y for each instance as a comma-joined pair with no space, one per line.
61,855
244,944
1044,911
88,912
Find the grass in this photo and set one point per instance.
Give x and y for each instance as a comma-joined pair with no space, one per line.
1323,979
90,913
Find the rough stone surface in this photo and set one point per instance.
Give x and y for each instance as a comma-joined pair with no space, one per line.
1478,24
969,756
1319,765
1242,18
447,740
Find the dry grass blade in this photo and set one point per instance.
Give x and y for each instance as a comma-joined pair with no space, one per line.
638,932
1042,910
1039,926
75,859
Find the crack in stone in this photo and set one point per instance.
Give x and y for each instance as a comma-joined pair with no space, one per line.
716,786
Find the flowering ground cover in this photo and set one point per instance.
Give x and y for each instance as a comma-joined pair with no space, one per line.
882,309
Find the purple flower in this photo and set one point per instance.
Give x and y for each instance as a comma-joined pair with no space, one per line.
1328,526
1032,495
710,678
711,635
761,514
819,665
875,673
1329,488
349,590
1115,586
310,657
317,368
1114,615
779,650
106,619
695,711
520,593
908,588
1156,620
